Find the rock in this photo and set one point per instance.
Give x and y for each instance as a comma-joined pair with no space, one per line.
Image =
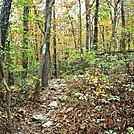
47,124
63,99
39,117
53,104
81,96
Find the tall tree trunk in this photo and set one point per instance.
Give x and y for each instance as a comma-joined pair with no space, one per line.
88,24
114,21
73,30
54,45
95,41
46,55
36,44
123,45
80,29
25,41
80,35
4,20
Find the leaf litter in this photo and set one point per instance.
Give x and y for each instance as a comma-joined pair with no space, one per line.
73,108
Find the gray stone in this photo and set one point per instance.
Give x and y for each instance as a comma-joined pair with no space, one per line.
39,117
47,124
53,104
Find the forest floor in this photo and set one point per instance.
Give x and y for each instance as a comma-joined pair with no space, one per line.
74,107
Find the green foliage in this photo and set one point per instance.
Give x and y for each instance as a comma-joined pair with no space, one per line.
70,62
130,130
19,3
104,11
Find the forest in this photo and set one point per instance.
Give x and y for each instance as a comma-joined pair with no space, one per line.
66,67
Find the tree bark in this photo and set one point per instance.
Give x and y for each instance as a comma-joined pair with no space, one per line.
95,41
114,21
80,30
73,31
25,41
54,45
46,56
4,23
88,24
123,45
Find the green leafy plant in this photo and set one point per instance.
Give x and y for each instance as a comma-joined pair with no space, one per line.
130,130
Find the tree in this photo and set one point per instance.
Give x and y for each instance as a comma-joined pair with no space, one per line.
80,29
123,46
25,40
95,41
4,23
54,45
46,53
88,7
114,18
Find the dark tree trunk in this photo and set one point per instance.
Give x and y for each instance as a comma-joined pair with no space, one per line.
25,41
123,45
95,41
73,31
46,59
4,22
54,44
88,32
128,39
36,45
80,29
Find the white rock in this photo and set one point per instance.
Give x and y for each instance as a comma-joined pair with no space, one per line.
47,124
39,117
53,104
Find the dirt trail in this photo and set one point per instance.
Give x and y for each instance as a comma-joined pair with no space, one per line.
45,113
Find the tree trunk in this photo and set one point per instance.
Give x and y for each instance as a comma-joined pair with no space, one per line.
114,22
73,31
80,29
4,20
88,24
54,45
46,55
123,45
25,42
95,41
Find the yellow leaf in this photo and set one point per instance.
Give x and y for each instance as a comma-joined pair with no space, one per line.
65,116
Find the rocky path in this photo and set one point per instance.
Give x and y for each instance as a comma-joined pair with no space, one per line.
41,120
